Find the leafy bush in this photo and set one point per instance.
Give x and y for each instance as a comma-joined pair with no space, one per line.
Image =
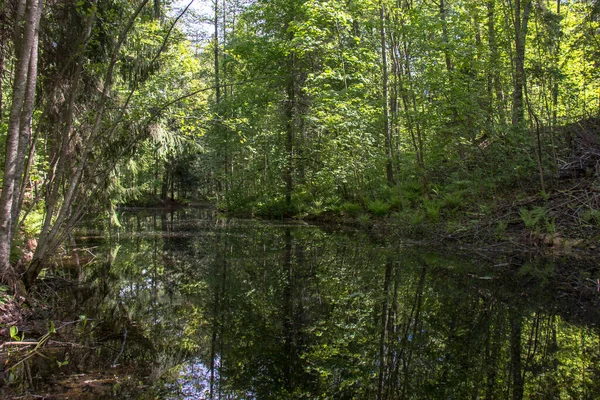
535,219
454,200
591,216
351,209
411,193
378,208
432,209
395,202
271,208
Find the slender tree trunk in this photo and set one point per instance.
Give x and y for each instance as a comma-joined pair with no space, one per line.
3,39
224,113
495,93
386,96
521,21
555,87
157,13
445,36
407,94
25,128
290,116
289,129
28,14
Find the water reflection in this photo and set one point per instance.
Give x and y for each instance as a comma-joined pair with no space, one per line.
242,309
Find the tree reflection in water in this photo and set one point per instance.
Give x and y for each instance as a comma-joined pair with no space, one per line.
245,309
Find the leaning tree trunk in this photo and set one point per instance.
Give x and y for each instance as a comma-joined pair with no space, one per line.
65,199
19,124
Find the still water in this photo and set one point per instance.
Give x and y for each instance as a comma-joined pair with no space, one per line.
190,306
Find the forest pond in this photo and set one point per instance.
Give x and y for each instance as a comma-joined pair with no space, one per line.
185,305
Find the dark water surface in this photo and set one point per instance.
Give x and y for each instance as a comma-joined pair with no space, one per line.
188,306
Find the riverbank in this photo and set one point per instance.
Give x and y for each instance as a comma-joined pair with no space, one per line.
563,221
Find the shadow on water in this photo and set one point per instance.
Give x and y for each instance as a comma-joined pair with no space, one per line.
184,305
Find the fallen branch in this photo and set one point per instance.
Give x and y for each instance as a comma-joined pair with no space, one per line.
19,344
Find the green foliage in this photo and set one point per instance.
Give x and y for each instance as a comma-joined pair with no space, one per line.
364,219
412,193
351,209
591,216
378,208
295,126
454,200
432,209
408,219
450,133
14,334
532,218
34,221
4,296
543,272
500,229
271,208
537,219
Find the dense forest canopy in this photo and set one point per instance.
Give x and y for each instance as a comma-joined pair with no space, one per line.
291,107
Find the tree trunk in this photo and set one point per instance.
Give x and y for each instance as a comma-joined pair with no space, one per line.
23,97
25,128
289,129
157,14
521,22
386,97
445,36
64,192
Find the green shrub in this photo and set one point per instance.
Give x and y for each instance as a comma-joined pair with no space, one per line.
378,208
318,207
535,218
299,205
364,219
500,229
335,209
411,193
351,209
460,185
591,216
416,217
271,208
395,202
432,209
331,200
33,223
454,200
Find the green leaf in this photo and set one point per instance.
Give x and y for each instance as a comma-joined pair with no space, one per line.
52,327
